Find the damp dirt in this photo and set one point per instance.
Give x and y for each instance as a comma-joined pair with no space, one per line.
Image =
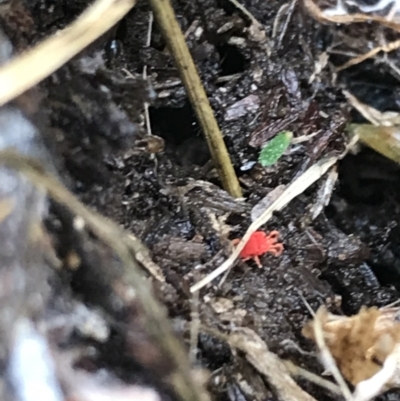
91,120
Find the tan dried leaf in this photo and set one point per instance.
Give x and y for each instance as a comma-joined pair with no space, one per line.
365,347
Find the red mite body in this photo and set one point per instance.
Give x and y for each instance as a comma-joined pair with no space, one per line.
260,243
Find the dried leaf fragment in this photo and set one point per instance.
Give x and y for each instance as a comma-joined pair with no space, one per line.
249,104
366,348
384,140
382,135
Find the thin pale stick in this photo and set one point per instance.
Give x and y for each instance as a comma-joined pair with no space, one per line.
328,358
359,59
31,67
247,13
194,327
293,190
146,105
313,378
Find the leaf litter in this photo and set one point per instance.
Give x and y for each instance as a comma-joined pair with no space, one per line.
91,121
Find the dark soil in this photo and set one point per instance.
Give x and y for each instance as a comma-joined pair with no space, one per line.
90,116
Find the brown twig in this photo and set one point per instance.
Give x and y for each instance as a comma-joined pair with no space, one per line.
268,364
276,371
359,59
31,67
165,17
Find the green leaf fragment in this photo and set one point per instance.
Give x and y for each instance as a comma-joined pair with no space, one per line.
275,148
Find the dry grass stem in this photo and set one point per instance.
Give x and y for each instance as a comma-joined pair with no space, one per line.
31,67
165,16
297,187
319,15
279,15
359,59
146,105
313,378
341,18
289,15
247,13
374,116
329,362
194,327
